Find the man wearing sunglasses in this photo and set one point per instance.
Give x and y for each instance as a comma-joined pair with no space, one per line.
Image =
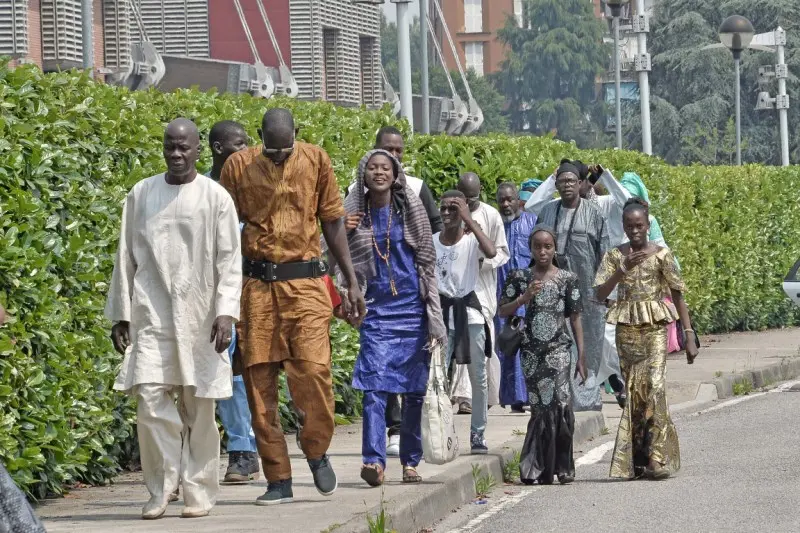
581,240
281,190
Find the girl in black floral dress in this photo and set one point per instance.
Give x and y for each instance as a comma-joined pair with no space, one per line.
550,296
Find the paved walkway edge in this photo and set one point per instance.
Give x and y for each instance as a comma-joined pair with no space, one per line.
786,370
439,496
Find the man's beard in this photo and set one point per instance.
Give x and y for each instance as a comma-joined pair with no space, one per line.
510,218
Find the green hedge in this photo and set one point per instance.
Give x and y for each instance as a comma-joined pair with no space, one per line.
70,149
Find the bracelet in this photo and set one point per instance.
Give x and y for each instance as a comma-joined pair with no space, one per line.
688,331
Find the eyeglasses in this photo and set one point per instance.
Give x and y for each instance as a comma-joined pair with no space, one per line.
569,182
278,151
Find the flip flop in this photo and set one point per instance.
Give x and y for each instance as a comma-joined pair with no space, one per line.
410,475
372,474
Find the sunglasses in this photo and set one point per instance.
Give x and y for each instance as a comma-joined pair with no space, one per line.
278,151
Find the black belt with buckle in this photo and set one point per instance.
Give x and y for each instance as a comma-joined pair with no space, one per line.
269,272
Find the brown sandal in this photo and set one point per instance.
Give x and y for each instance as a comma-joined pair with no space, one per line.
372,474
410,475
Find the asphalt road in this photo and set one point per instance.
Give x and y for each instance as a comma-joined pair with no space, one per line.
740,473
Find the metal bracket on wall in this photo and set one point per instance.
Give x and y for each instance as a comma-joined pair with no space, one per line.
642,63
641,24
782,101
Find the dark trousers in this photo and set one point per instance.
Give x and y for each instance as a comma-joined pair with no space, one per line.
394,414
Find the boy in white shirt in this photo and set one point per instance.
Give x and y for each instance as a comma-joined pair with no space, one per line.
459,254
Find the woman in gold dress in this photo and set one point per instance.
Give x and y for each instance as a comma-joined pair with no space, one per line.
644,273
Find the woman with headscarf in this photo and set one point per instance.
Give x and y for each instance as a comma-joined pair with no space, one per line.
549,296
394,259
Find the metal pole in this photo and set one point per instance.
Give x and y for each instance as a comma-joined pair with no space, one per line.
426,97
738,60
783,111
644,84
87,34
617,84
404,60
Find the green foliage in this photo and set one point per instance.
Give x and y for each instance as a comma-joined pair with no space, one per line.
511,468
693,88
484,483
742,387
70,149
380,522
549,74
733,229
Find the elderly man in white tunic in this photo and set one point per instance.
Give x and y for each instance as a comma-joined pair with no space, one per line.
174,297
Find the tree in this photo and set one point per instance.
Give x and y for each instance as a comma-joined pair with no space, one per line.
550,71
693,89
485,93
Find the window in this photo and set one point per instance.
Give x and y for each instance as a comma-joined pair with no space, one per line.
473,53
473,16
518,12
14,28
331,67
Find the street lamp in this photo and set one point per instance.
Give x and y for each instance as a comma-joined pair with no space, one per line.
616,11
736,32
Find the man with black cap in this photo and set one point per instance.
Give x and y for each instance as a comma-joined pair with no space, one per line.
581,240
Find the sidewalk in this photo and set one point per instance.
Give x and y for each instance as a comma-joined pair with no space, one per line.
117,507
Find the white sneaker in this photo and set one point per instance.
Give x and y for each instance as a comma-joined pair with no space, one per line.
393,448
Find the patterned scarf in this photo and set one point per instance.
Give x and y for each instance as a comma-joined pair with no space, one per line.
417,234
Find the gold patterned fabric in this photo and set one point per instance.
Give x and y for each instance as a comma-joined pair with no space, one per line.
645,430
641,293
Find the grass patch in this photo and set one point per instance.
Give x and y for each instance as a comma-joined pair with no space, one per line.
742,388
380,522
511,468
517,433
605,431
718,374
484,483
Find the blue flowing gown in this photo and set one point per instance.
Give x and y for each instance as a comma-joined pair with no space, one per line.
394,333
512,382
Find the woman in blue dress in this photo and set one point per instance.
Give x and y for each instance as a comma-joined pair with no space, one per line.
390,242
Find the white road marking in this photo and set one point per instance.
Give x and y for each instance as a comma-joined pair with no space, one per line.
781,388
594,456
503,503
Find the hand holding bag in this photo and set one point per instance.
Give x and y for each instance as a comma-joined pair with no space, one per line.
439,437
510,338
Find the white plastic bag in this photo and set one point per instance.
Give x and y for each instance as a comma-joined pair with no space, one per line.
439,438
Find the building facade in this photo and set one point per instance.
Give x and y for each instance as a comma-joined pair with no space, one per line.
331,46
48,33
473,26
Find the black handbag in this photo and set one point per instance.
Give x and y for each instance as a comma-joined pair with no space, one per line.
510,338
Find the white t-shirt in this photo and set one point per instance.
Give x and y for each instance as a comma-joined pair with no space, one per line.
457,269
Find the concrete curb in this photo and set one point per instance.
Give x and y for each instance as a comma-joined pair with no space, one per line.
769,375
706,393
438,496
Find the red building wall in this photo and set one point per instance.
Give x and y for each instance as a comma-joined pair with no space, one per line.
228,40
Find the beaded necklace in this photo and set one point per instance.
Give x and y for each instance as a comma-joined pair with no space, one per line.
386,258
